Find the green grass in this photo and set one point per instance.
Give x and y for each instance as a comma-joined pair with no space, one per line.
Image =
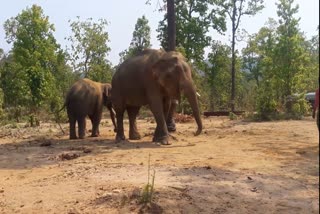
148,189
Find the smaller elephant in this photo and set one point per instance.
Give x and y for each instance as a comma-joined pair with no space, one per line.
87,98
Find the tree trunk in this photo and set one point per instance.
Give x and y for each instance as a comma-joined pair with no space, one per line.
233,63
171,25
212,98
171,15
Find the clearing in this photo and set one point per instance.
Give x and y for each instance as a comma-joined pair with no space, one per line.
232,167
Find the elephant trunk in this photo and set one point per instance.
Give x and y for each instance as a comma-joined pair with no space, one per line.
191,94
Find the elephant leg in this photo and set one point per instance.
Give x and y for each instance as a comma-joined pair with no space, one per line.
132,114
170,120
161,133
72,128
120,131
95,121
112,116
166,107
82,127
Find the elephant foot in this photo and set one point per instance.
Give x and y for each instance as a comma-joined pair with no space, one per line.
73,137
171,126
94,135
120,138
81,137
134,136
161,140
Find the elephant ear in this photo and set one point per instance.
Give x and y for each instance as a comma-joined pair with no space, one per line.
106,89
106,93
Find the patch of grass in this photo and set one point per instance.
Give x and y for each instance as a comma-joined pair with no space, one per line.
148,189
34,121
13,125
232,116
275,116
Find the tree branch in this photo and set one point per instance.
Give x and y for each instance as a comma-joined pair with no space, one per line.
240,14
229,14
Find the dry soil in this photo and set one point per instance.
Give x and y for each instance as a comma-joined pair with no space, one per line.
232,167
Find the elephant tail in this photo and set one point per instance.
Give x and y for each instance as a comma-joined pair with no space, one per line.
64,105
57,116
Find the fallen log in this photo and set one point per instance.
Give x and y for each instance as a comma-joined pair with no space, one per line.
221,113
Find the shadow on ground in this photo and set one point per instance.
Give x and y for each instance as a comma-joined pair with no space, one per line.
40,151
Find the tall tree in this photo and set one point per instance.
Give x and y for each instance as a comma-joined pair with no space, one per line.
258,53
290,55
217,75
34,50
89,49
236,9
13,82
193,21
171,14
140,39
313,50
258,66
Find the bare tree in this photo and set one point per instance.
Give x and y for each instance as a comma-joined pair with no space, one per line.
171,25
235,10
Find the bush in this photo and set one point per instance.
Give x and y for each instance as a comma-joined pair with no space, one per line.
267,106
296,106
1,104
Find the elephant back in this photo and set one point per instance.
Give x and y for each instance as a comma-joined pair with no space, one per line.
171,54
83,97
150,56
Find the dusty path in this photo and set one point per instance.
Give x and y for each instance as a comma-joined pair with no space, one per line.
233,167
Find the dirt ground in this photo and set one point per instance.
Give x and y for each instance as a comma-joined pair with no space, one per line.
232,167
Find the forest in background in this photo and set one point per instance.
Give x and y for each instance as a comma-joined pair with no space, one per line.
272,73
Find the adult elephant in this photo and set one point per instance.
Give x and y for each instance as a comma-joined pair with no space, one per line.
154,78
87,98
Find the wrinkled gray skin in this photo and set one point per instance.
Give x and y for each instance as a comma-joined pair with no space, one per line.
87,98
152,78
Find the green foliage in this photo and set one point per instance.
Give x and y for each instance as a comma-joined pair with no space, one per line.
232,116
34,47
300,107
257,56
1,103
282,64
89,49
235,10
34,74
193,21
33,121
258,67
62,72
218,76
241,7
277,66
290,55
140,39
310,79
14,83
266,102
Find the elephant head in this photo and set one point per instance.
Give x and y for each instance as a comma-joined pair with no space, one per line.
106,93
173,74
